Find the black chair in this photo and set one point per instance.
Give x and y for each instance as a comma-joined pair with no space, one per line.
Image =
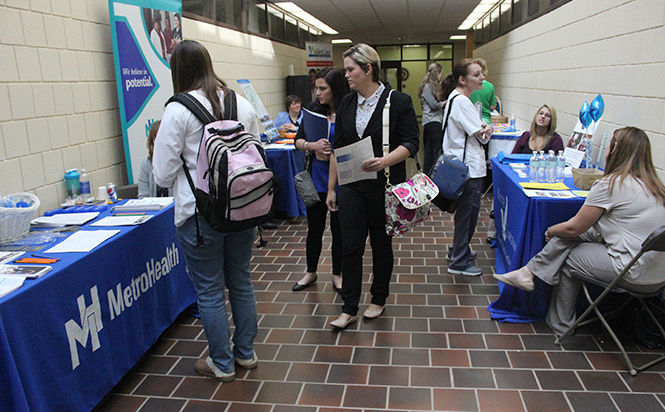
128,191
655,242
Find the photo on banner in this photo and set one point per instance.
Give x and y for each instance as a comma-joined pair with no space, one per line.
250,93
144,33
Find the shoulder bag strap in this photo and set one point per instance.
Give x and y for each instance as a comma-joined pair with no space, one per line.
385,120
445,125
230,105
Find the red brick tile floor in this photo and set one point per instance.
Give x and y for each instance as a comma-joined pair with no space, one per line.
434,348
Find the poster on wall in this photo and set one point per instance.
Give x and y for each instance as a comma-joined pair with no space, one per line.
259,108
319,55
144,33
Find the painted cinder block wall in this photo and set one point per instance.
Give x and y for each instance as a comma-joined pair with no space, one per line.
586,47
58,102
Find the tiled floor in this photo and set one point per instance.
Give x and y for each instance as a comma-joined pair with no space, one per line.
435,347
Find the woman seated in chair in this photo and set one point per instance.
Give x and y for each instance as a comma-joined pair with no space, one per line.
619,213
542,135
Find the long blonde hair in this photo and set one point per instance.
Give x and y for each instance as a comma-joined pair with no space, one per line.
552,128
431,78
630,155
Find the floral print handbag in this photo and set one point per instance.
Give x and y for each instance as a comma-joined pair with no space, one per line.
408,203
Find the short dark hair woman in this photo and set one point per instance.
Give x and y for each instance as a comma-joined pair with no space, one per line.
222,261
330,87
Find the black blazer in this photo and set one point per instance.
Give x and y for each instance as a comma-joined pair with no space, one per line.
404,129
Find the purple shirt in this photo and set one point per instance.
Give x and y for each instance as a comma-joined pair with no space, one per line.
522,145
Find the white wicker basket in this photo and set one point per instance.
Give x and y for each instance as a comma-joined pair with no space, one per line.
15,221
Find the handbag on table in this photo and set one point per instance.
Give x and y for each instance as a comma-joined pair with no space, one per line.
305,186
407,203
449,174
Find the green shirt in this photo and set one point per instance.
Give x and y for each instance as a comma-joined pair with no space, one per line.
486,97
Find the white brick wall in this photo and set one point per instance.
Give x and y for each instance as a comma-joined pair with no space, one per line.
586,47
58,102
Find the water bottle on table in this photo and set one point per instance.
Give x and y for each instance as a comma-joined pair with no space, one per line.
560,166
551,167
533,167
513,127
542,167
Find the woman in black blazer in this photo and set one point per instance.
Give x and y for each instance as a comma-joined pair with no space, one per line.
361,203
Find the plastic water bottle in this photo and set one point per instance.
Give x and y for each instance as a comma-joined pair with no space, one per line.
551,167
72,183
542,167
513,127
533,167
560,166
84,186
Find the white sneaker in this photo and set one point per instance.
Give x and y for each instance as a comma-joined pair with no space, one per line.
207,367
248,363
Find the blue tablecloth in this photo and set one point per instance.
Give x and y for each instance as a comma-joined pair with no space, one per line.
67,338
285,162
520,232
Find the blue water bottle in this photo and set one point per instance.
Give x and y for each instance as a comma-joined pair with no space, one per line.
72,183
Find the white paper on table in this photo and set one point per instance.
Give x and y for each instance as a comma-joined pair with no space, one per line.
554,194
121,220
65,219
279,146
82,241
350,160
6,257
573,156
9,283
147,203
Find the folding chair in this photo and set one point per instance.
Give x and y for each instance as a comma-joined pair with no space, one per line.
655,242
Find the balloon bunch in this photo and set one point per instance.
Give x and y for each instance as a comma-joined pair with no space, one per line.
592,112
589,113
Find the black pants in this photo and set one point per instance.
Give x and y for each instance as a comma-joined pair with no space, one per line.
316,225
362,211
432,142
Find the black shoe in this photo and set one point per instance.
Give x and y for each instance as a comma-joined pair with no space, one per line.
269,225
336,289
297,287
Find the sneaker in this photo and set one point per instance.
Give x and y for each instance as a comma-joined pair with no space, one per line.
248,363
471,270
207,367
450,250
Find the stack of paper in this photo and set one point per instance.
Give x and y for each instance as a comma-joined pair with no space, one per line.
65,219
6,257
147,203
122,220
25,271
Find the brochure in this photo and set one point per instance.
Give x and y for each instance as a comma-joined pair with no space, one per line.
122,220
6,257
555,194
316,125
147,203
26,271
9,283
350,159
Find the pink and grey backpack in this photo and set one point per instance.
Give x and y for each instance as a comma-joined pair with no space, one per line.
234,187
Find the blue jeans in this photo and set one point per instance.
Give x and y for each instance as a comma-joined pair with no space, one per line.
466,217
222,261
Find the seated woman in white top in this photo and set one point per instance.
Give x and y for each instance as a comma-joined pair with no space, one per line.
622,209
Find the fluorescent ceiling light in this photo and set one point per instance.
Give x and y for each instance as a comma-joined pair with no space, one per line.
458,37
306,17
340,41
483,7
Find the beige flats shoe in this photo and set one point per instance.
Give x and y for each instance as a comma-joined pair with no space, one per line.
521,278
373,311
343,321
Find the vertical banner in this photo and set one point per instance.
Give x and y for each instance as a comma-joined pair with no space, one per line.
144,33
259,108
319,55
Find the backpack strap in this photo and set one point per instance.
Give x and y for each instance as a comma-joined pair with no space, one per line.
230,105
194,106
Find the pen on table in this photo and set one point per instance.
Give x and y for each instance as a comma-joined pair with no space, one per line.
42,257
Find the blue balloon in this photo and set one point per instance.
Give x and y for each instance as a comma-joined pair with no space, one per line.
585,115
597,108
